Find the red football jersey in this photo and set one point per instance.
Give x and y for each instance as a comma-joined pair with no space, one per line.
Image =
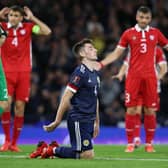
16,51
142,49
160,57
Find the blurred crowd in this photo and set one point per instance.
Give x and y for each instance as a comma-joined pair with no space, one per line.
53,60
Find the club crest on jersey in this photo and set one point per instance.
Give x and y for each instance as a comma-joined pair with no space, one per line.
133,37
151,37
86,142
82,69
23,32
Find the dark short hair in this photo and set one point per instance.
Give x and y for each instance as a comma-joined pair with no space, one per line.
144,9
77,47
17,8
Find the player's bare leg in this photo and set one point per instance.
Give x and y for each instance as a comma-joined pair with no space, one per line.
18,124
89,154
130,126
3,106
150,126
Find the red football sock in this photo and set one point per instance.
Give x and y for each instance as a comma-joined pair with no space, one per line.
18,124
130,125
137,125
5,120
150,126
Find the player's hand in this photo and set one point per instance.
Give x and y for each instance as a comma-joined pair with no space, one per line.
28,12
119,77
4,12
50,127
96,130
97,66
160,76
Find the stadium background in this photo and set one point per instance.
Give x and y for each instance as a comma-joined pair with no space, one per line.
53,60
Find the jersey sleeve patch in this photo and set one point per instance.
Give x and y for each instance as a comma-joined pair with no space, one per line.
74,84
75,81
72,88
36,29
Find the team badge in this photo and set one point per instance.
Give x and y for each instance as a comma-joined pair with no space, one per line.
133,37
82,69
23,32
76,79
151,37
86,142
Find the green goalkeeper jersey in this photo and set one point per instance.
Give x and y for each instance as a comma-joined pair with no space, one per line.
3,86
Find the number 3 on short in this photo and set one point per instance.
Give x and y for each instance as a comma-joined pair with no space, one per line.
127,97
15,41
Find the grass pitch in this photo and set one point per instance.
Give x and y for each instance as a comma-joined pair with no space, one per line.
106,156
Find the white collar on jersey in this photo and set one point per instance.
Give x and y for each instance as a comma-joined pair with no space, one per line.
9,25
138,29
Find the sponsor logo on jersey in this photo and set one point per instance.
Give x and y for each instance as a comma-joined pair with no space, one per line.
133,37
89,80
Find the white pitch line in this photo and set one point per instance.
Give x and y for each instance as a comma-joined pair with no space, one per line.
132,159
96,158
14,156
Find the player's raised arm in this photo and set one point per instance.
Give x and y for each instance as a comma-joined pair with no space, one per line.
40,28
111,57
64,105
4,12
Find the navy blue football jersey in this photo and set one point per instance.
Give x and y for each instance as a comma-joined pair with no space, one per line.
85,84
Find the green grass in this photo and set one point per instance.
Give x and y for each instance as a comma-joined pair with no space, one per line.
107,156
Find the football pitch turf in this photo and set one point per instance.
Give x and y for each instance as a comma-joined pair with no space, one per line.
106,156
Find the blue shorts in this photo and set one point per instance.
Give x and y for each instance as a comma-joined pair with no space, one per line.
81,134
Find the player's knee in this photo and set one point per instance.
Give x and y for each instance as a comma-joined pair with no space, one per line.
87,154
19,108
5,105
150,111
131,110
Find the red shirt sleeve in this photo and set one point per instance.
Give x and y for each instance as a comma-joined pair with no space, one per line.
123,43
160,57
162,40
